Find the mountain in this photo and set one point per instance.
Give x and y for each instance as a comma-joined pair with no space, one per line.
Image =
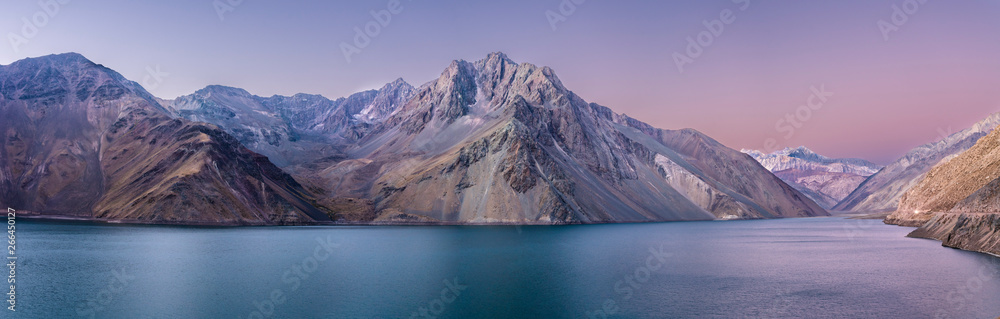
494,141
825,180
804,159
386,101
957,201
291,130
882,192
488,142
83,141
241,115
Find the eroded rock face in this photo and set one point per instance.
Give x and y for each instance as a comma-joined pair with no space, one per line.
83,141
968,231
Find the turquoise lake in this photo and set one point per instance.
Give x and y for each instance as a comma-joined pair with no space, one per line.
792,268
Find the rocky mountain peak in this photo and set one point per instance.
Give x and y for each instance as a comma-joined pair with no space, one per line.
457,71
399,82
500,79
224,90
801,152
389,99
454,91
64,77
62,60
494,63
396,89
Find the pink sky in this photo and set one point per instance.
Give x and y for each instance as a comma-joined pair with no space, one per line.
939,72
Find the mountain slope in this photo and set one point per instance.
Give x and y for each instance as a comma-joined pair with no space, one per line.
83,141
882,192
241,115
495,141
296,129
967,185
825,180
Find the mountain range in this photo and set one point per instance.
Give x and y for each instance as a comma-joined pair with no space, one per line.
487,142
82,141
825,180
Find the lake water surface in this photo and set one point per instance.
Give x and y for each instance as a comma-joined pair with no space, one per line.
814,267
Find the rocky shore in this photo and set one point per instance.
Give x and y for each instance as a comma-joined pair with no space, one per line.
968,231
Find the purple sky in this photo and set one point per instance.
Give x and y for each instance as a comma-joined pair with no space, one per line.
937,73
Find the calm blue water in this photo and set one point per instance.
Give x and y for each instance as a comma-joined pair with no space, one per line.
817,268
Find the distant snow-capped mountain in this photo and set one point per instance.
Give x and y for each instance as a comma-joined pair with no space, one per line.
825,180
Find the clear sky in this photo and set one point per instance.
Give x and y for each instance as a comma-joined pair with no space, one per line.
937,71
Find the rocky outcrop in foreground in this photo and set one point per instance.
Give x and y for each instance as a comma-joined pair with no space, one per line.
967,231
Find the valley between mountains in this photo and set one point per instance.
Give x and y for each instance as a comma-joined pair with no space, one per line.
946,188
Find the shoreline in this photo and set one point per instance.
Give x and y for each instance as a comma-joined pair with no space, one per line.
978,232
106,222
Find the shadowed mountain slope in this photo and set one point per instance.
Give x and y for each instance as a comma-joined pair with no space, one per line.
83,141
